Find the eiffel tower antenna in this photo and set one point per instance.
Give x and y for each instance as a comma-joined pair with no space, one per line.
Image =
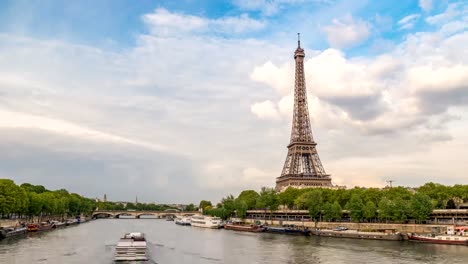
302,168
390,183
298,40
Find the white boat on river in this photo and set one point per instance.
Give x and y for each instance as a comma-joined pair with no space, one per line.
131,247
183,221
206,221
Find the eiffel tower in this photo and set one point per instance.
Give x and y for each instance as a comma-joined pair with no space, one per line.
302,168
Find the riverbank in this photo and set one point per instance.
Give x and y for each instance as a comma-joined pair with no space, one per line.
402,228
36,220
8,222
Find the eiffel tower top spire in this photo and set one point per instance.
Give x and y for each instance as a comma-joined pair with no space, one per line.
299,40
301,131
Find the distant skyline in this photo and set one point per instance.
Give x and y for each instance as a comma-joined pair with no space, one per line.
178,101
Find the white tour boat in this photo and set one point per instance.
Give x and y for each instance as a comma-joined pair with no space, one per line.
131,247
206,221
183,221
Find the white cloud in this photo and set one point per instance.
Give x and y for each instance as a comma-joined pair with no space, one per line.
280,78
16,120
265,110
437,78
454,27
347,32
408,21
218,175
425,5
450,13
165,23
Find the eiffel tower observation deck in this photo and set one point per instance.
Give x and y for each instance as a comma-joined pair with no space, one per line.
302,168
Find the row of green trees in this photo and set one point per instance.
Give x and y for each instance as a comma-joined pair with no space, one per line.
29,200
362,204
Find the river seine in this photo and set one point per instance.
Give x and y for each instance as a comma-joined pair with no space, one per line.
94,242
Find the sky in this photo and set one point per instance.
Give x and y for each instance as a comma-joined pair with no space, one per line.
178,101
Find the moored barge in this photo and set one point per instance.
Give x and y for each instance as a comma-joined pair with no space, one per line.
358,234
440,239
44,226
245,228
288,230
6,232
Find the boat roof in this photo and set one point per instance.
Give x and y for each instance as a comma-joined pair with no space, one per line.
134,234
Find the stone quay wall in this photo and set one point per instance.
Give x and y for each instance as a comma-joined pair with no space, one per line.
403,228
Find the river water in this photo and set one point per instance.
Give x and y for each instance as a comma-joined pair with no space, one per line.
94,242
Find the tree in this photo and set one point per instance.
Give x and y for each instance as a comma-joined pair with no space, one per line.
385,209
249,197
241,208
400,209
267,199
355,206
437,192
229,203
332,211
421,207
327,211
450,204
190,207
204,204
312,201
337,211
288,196
369,211
8,197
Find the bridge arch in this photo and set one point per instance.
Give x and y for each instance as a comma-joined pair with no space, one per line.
146,213
117,215
103,214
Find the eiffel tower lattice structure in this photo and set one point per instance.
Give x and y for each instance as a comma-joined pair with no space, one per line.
302,168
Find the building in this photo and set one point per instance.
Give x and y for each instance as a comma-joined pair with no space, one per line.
302,168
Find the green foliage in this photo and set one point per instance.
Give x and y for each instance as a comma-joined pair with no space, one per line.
35,200
385,209
450,204
224,209
204,204
355,207
369,211
440,194
191,207
421,206
401,209
241,208
249,197
267,200
332,211
337,211
288,196
311,200
327,211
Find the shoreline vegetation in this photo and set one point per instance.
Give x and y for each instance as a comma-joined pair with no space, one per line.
34,203
373,205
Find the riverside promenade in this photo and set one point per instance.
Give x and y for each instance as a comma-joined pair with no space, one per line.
403,228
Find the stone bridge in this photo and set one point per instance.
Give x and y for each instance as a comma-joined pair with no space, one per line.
137,214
